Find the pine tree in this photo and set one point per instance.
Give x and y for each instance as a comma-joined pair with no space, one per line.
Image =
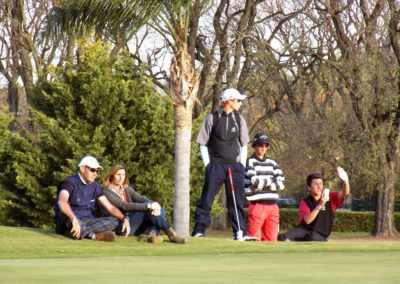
97,107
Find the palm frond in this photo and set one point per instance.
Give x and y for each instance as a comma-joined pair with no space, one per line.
102,15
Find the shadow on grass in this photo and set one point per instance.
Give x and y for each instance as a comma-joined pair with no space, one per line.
46,232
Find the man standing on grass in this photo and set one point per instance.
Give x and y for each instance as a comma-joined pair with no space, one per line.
76,203
223,146
316,210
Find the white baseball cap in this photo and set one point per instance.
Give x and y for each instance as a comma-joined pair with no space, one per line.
231,94
91,162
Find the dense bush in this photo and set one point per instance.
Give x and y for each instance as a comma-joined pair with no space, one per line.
98,107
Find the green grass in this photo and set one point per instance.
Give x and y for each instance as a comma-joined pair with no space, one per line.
36,256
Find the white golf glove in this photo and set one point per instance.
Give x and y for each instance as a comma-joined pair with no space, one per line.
204,155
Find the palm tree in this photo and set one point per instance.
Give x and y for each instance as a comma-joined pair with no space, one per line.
126,17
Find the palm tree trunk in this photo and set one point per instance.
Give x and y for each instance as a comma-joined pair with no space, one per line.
183,132
184,85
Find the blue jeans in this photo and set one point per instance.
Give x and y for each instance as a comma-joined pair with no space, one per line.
141,221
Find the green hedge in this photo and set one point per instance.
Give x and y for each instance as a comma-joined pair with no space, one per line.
344,221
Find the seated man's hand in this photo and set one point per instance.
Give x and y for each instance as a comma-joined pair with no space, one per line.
76,228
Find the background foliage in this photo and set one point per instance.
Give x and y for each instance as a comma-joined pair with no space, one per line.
344,221
96,107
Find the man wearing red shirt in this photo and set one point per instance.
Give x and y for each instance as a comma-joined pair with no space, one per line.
316,210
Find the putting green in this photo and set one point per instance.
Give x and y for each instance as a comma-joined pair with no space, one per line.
39,256
324,267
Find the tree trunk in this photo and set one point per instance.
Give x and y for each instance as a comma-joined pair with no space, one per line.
384,220
19,46
12,97
184,85
23,108
183,132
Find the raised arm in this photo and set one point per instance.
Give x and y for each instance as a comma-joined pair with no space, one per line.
346,185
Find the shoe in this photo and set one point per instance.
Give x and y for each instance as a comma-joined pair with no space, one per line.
106,236
152,237
238,236
173,237
250,239
198,235
281,238
155,239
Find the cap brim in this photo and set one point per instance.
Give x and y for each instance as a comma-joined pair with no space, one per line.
90,166
236,97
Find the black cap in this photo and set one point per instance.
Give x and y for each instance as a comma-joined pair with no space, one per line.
260,138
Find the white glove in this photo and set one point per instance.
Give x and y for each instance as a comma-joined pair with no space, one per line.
155,209
155,206
204,155
342,174
243,155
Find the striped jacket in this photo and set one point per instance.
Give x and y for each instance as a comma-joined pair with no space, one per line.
265,176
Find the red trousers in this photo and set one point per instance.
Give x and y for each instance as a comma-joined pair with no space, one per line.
263,221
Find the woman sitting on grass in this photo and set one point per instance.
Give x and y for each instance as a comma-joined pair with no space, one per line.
143,213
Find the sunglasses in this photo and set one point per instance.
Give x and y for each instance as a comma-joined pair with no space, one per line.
93,170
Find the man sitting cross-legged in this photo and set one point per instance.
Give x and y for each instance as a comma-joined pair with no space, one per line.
76,204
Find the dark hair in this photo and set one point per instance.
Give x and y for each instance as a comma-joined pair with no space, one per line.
312,176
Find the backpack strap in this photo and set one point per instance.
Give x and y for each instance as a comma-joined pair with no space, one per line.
237,118
216,116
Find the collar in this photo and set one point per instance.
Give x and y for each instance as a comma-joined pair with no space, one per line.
82,179
258,159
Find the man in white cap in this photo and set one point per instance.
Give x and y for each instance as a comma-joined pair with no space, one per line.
223,146
75,208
